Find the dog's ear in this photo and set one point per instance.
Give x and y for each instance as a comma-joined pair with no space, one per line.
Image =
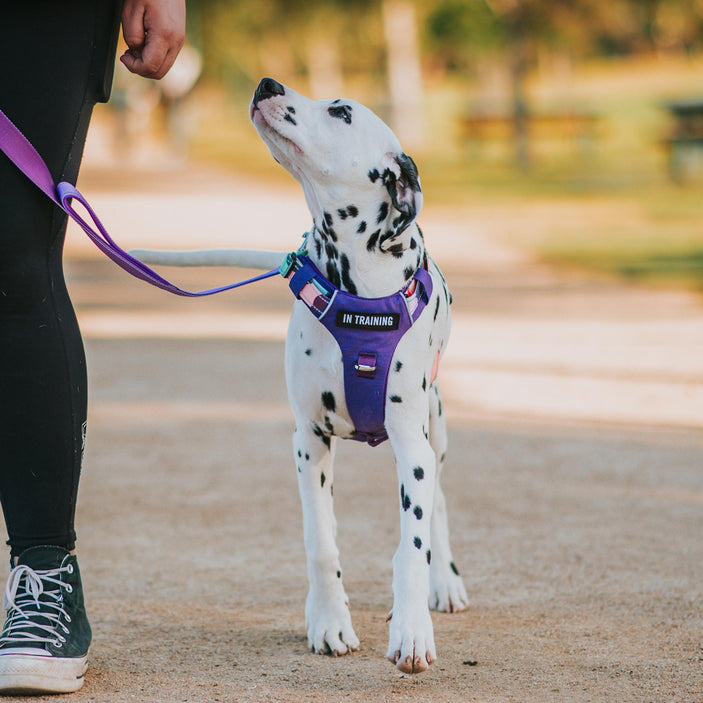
403,184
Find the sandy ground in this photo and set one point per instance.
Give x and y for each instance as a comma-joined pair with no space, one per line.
574,479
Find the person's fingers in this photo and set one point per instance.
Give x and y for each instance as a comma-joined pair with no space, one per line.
154,51
133,27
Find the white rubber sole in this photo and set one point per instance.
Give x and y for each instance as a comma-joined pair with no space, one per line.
26,674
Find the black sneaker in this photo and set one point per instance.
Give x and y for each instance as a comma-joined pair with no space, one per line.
44,644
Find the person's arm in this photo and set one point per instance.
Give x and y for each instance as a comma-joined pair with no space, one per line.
154,31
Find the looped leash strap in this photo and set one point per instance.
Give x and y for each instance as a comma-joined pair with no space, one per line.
18,149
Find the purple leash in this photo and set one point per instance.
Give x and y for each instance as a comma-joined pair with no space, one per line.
18,149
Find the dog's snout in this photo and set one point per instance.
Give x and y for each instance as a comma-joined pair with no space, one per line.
267,88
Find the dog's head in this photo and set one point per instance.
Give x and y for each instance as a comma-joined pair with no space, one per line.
338,150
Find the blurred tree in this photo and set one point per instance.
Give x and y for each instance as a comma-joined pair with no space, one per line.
404,73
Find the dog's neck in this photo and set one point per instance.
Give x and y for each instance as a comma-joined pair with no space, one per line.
361,250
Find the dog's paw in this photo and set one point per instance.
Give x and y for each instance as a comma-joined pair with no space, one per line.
447,592
330,628
411,641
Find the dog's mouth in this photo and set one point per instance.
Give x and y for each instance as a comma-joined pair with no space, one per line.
261,119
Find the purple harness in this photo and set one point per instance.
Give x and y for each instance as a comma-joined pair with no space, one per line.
367,331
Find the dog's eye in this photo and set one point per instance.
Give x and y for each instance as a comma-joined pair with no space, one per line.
341,112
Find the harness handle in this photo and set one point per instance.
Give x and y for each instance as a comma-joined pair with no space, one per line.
20,151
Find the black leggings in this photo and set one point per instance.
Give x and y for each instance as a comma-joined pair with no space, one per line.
57,60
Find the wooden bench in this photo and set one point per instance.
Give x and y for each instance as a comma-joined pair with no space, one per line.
576,126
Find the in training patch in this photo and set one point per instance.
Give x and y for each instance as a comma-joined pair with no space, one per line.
363,321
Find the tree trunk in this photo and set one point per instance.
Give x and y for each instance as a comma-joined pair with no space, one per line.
518,69
405,77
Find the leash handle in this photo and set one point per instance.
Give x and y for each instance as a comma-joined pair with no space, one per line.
21,152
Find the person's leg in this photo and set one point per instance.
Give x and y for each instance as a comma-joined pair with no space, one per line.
53,54
56,56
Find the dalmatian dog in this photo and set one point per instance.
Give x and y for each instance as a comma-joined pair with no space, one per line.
364,194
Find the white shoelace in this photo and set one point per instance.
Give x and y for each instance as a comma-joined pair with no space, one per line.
24,626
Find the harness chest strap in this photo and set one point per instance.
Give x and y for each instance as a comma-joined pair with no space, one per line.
367,331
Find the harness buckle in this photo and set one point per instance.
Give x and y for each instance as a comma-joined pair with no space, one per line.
288,264
366,366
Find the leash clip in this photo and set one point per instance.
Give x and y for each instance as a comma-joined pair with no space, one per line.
291,263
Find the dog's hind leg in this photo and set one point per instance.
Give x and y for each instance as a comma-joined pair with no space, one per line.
447,592
327,615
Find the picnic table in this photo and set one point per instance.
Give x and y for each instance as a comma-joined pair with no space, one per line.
685,141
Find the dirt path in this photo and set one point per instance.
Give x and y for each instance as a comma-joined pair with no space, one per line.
575,493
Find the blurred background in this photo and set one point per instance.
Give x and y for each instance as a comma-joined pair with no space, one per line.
582,121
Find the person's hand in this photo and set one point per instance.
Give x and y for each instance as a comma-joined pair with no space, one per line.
154,31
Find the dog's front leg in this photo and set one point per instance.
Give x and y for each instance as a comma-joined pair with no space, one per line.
411,638
327,615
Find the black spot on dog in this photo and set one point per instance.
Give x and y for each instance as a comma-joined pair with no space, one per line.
291,109
441,459
373,239
318,247
362,227
398,365
374,175
431,340
424,383
331,251
339,574
353,210
328,401
328,425
307,457
324,438
333,275
322,480
408,273
328,219
308,352
439,407
298,469
343,214
404,498
396,250
436,309
419,473
453,568
413,243
429,556
346,278
418,512
290,119
389,234
396,399
417,542
300,454
382,212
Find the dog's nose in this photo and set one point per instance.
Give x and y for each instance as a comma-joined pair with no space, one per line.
267,89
